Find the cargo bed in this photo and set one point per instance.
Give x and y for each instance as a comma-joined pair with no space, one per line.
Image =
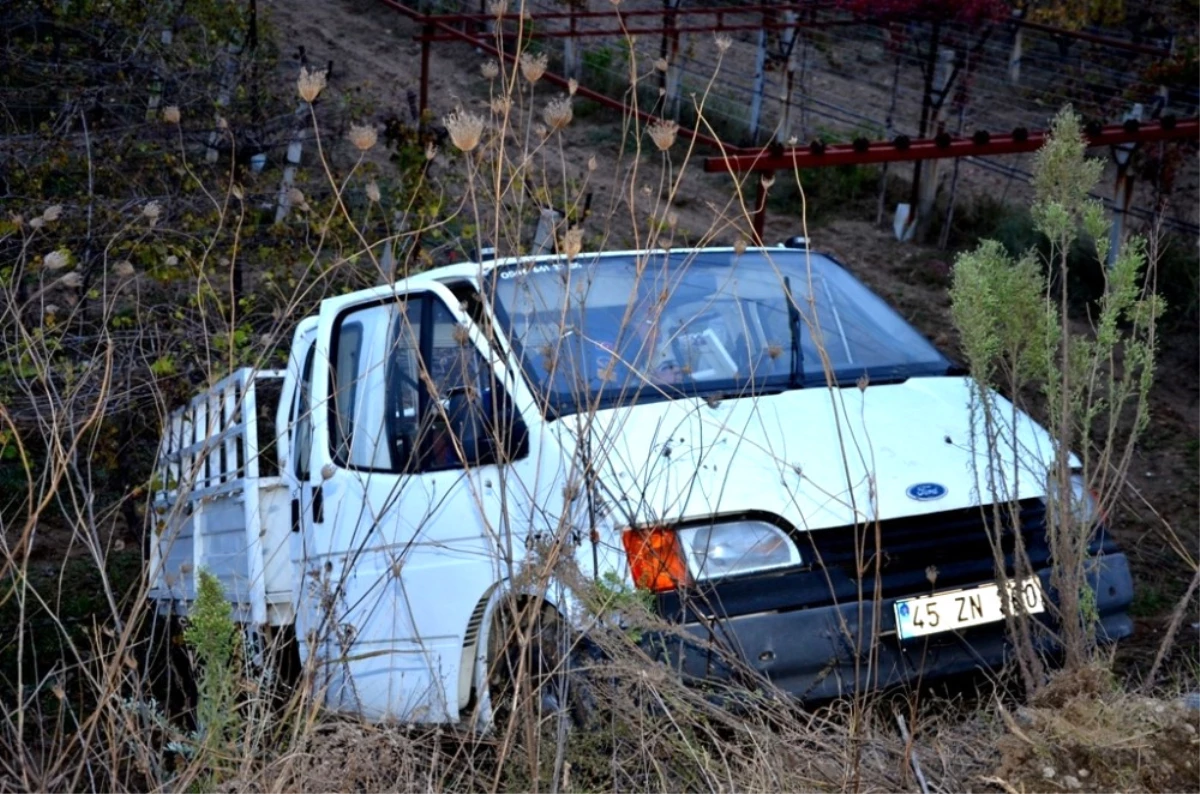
220,503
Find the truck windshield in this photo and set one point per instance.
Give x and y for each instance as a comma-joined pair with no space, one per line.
620,329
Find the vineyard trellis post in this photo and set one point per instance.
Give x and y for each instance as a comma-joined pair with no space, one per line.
669,80
788,36
1122,155
760,83
572,56
928,182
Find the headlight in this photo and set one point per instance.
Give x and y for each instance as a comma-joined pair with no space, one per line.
738,547
1080,500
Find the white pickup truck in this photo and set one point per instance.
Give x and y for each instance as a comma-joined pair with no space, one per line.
750,435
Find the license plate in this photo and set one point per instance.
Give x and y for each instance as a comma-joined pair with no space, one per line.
960,609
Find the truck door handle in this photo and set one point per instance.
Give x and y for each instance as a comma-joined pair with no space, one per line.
296,514
318,505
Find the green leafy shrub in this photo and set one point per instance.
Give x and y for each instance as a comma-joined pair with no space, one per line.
1017,337
215,642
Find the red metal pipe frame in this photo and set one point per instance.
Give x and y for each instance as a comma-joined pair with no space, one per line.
721,11
719,26
550,77
927,149
442,22
542,16
734,159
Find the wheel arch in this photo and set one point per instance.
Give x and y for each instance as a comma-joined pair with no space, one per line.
474,698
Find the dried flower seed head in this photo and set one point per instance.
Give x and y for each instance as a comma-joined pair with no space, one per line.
373,192
534,66
571,243
296,198
591,163
672,220
36,223
222,123
793,140
572,86
663,134
430,150
661,64
171,261
72,280
57,260
542,131
498,8
739,246
363,136
465,129
152,212
768,180
724,42
310,84
558,113
500,105
123,269
52,309
171,114
490,70
52,213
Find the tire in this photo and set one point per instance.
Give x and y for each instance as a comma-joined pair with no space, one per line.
549,667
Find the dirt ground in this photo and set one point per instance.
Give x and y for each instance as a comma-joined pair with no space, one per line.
376,61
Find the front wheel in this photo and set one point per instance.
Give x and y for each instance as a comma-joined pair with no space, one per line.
537,668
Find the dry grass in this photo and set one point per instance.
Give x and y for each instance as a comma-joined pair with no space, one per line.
1083,733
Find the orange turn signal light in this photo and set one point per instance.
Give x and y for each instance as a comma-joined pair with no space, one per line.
655,559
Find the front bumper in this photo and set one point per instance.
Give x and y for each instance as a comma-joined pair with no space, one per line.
822,652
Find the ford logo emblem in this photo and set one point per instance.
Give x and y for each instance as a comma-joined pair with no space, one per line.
926,491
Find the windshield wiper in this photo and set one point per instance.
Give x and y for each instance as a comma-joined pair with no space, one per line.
796,368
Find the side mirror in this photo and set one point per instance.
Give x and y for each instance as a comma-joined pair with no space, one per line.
488,426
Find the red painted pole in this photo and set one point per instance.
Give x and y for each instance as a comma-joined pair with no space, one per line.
928,149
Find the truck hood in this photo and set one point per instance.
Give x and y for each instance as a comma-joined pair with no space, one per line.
816,457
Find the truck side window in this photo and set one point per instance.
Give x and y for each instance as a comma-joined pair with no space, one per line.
365,346
346,378
455,367
403,376
304,418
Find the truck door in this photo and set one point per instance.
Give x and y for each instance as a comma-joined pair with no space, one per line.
294,437
402,529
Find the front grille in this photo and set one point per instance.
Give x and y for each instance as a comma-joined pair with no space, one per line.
916,556
946,541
